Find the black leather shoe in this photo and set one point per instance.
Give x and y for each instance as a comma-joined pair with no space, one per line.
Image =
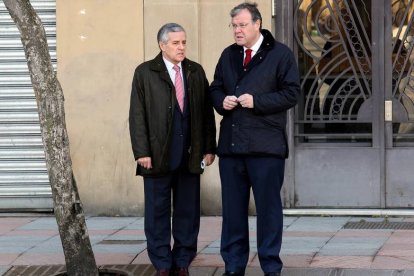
232,273
272,274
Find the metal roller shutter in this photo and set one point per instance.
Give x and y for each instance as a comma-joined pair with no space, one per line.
24,182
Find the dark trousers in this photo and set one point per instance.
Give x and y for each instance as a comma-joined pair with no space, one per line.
185,189
265,176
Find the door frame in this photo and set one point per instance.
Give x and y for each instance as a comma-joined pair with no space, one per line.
381,91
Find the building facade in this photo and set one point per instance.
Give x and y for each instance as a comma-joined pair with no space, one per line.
351,135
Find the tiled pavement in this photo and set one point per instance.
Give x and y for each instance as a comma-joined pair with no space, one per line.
311,246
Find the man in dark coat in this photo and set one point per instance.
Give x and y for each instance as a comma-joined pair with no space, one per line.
173,133
256,81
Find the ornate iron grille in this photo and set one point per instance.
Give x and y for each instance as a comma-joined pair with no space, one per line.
402,71
334,49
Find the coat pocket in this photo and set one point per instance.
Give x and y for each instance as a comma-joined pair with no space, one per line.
267,141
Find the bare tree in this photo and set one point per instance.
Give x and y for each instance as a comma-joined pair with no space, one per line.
50,101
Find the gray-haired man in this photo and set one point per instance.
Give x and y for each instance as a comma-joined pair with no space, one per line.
173,134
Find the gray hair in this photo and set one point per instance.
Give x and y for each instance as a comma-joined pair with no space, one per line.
251,7
162,35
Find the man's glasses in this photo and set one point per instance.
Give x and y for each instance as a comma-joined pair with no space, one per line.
241,26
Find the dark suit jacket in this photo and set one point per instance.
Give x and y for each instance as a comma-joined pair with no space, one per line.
272,78
151,115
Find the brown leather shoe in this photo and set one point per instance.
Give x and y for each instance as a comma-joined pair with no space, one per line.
163,272
182,271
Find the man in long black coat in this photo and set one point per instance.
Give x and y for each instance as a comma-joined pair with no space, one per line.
173,136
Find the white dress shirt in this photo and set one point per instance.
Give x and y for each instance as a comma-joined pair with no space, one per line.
171,71
255,47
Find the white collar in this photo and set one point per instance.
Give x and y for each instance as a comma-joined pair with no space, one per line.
170,65
256,46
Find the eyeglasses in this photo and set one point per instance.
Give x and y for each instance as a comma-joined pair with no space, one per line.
241,26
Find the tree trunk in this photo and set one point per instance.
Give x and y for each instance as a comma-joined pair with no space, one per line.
50,101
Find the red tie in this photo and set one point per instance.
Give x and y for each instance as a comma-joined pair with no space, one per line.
179,87
248,57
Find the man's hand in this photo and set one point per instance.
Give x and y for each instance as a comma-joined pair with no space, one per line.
246,101
230,102
145,162
209,159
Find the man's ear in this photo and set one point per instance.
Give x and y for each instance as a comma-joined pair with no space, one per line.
258,23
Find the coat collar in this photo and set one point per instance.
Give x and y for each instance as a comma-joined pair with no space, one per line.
268,43
157,64
236,53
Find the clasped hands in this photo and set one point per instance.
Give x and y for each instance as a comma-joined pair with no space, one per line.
245,100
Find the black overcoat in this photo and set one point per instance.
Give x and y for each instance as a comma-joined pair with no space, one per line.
272,79
151,113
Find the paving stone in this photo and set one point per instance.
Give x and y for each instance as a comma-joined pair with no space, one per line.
371,233
302,245
14,249
137,224
201,245
48,223
21,244
211,250
341,261
117,237
129,232
7,259
252,223
302,234
114,258
323,224
119,248
297,260
142,258
11,223
4,269
214,260
105,223
44,248
37,232
39,259
95,239
393,262
289,220
215,244
352,246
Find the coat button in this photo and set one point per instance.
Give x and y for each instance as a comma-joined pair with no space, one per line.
232,144
245,70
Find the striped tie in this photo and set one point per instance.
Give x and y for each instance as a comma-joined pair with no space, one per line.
179,87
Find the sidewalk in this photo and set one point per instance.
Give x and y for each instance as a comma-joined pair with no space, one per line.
30,245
